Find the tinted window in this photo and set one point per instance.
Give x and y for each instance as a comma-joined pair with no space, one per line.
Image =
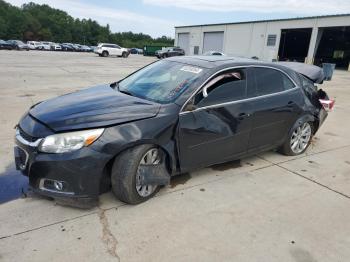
228,89
271,81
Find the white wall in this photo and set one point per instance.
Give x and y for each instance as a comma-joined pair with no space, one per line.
250,39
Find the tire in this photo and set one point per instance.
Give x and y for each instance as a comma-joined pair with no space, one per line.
302,132
165,56
124,175
125,55
105,54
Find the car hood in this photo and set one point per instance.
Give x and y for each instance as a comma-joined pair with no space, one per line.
94,107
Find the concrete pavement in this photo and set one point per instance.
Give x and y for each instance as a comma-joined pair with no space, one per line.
264,208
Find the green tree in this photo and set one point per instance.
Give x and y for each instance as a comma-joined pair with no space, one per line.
42,22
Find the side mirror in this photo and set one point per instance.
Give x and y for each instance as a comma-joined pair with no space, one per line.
190,106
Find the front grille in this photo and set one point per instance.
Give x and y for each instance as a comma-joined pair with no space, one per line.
26,136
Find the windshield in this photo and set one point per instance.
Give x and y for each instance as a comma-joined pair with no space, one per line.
161,81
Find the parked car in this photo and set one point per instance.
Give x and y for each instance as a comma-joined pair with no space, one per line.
214,53
46,45
18,45
172,116
105,49
56,47
85,48
93,48
67,47
5,45
170,51
77,47
34,45
136,51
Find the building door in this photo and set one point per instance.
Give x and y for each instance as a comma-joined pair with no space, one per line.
183,41
294,44
213,41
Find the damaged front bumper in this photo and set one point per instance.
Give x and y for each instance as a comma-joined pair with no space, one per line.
70,178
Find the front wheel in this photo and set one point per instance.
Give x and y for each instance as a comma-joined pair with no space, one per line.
298,140
126,177
125,55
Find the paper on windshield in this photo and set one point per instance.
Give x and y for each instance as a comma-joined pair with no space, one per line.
191,69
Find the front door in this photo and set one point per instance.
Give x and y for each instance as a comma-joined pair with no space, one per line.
214,127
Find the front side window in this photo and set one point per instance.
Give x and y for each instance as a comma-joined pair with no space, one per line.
227,87
161,81
269,81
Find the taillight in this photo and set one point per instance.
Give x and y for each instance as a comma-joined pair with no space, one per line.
327,104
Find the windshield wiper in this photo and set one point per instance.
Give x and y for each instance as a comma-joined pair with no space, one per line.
125,92
115,85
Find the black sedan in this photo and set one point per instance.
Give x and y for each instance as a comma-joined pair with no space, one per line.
5,46
173,116
18,45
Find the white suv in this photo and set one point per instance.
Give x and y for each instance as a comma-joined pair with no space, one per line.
105,49
35,45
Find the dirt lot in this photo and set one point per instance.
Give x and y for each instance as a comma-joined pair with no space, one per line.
264,208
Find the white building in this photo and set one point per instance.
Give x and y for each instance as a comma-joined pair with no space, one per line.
309,39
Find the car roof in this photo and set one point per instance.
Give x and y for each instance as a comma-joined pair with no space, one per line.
312,72
214,61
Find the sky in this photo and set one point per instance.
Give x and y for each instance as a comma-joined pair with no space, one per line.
158,17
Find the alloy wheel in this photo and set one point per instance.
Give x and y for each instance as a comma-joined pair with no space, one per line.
300,138
151,157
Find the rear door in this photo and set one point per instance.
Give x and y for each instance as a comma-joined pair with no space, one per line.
216,128
276,107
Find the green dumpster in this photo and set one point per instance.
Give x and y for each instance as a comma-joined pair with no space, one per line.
149,50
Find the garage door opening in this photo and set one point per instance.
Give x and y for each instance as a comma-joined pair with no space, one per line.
184,42
213,41
333,46
294,44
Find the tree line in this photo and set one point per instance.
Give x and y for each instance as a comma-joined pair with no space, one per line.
34,22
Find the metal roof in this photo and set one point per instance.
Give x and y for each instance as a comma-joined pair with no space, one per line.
269,20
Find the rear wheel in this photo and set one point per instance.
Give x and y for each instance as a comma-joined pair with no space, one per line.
126,178
105,54
125,55
298,140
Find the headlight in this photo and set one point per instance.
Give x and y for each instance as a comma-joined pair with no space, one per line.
71,141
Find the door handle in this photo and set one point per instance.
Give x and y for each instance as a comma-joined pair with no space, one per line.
241,116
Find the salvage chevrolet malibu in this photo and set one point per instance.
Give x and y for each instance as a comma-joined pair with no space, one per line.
170,117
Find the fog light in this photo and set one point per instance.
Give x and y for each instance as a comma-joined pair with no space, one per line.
58,185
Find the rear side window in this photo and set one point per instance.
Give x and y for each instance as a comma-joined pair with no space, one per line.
227,89
269,81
